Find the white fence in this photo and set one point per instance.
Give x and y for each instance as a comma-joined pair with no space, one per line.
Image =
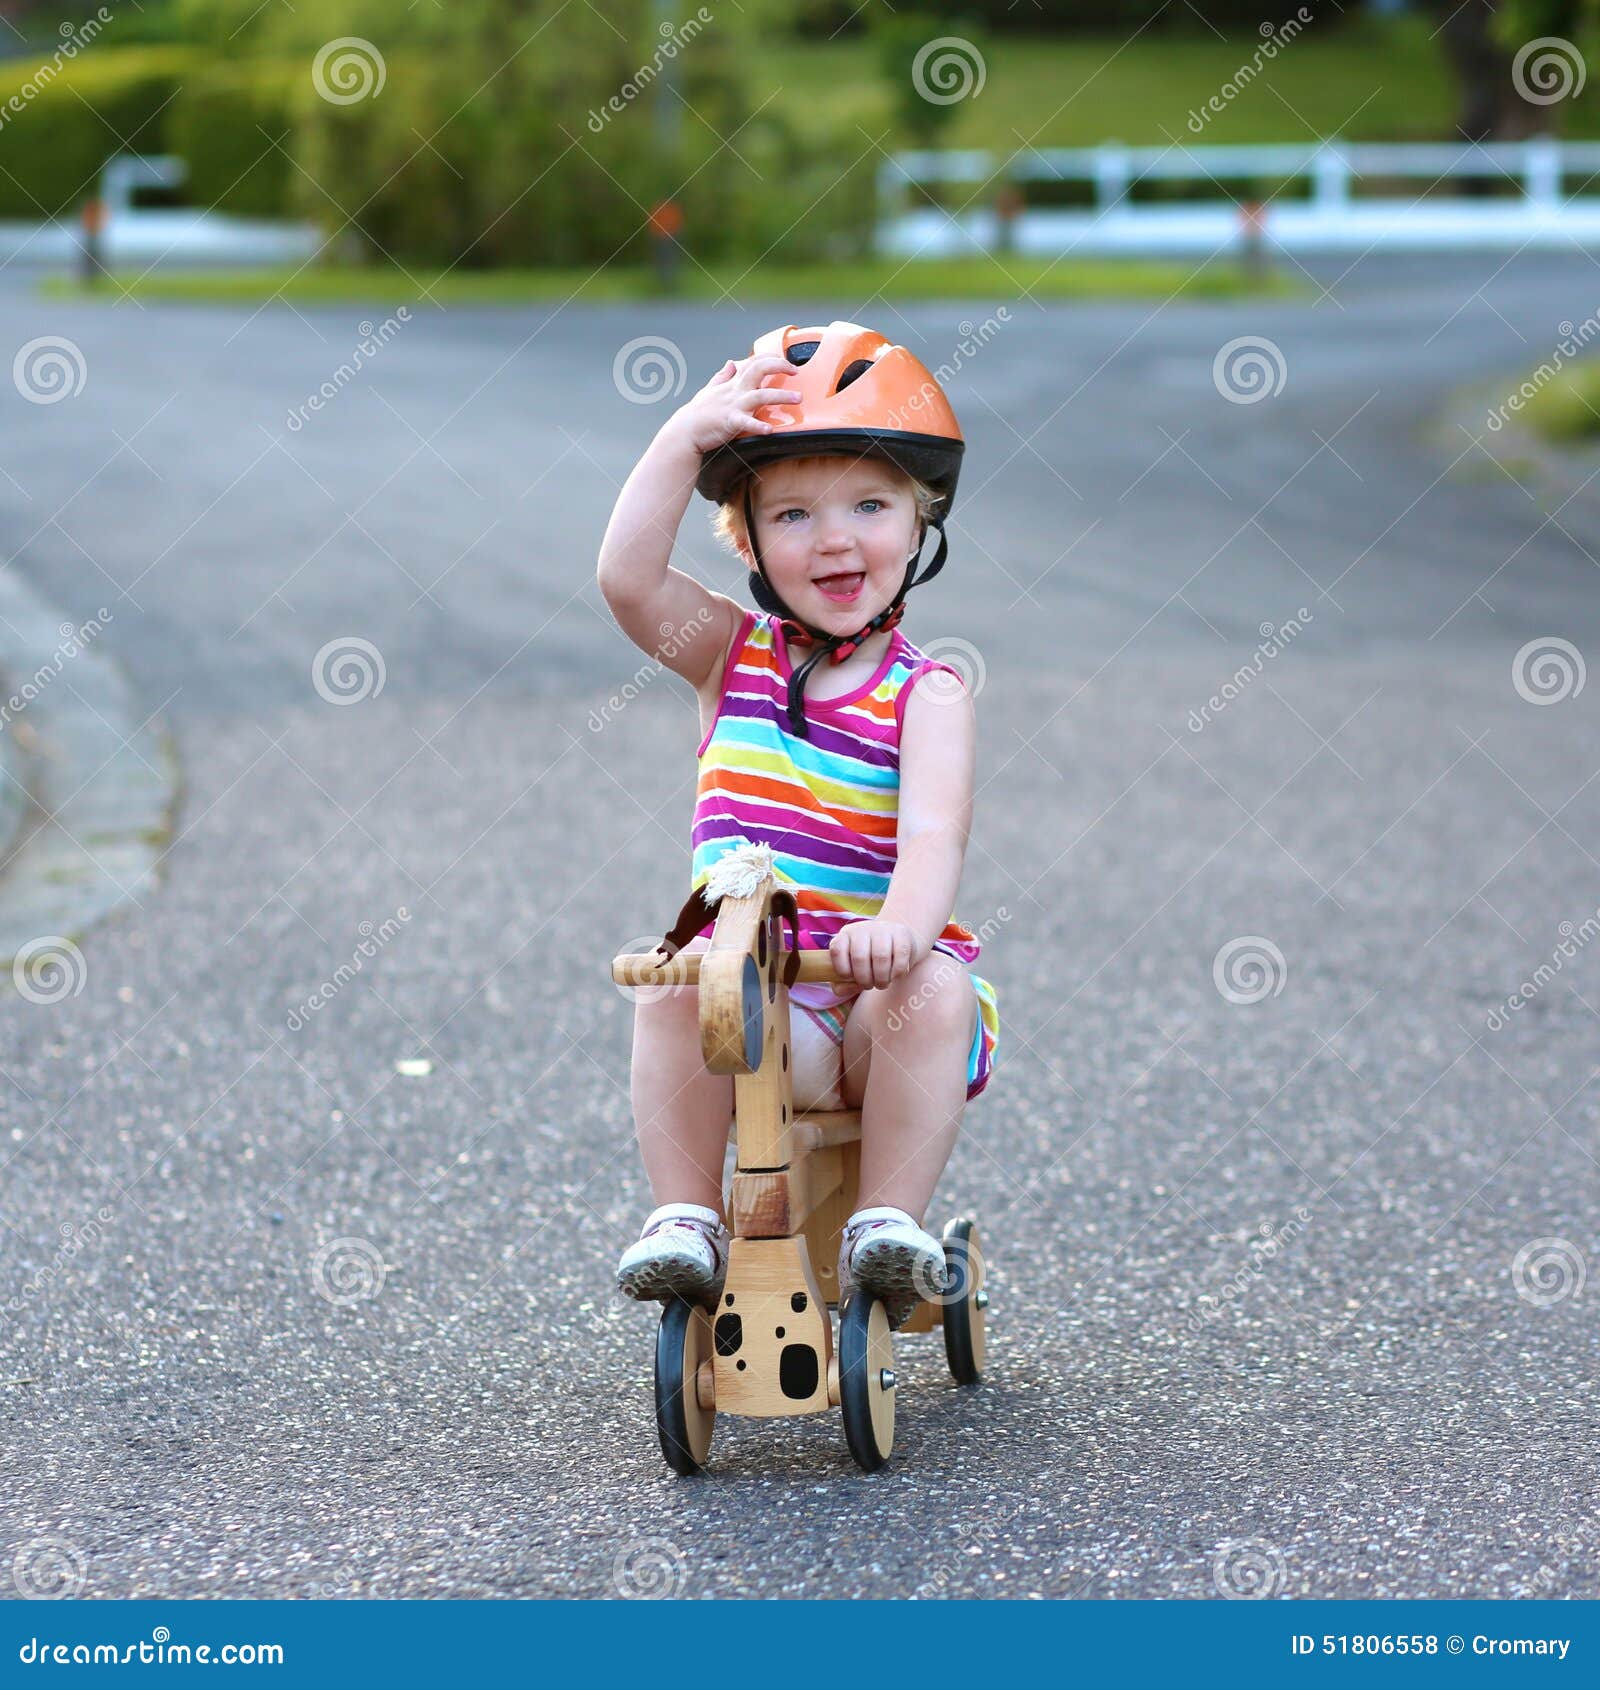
1322,197
138,237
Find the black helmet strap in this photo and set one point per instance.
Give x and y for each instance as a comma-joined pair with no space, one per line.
768,597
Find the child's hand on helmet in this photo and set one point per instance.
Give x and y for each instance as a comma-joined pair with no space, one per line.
872,953
725,407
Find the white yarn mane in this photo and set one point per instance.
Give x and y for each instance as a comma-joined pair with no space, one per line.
739,872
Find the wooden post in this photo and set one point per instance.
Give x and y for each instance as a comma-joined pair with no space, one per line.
91,262
1252,248
665,223
1008,206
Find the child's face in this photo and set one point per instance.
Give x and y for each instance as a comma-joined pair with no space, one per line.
836,536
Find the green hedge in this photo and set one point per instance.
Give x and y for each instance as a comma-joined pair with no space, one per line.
52,148
224,122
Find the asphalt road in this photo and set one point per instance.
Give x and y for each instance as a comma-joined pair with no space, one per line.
1265,1318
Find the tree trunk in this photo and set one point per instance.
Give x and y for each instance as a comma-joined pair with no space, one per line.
1489,107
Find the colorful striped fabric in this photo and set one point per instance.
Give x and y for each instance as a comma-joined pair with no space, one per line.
828,805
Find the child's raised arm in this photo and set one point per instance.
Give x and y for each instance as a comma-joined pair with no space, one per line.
683,625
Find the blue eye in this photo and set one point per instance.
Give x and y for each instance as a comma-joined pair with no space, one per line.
794,510
872,501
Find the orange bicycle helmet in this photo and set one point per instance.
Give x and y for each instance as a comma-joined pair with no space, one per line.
861,396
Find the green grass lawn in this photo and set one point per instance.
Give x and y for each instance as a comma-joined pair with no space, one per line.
847,284
1368,80
1567,408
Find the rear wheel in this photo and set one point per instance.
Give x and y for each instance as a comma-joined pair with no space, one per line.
683,1341
965,1301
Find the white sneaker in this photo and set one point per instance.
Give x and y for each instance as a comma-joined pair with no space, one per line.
887,1253
682,1252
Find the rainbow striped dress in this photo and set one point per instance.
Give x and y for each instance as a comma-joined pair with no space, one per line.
828,805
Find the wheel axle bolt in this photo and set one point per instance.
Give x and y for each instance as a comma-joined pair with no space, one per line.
886,1378
980,1299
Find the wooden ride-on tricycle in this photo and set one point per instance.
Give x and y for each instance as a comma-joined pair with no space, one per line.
768,1347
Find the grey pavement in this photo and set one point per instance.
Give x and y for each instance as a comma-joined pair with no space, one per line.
92,785
1286,1293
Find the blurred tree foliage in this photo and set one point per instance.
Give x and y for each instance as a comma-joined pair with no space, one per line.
913,67
537,132
1483,38
1518,22
1057,17
67,120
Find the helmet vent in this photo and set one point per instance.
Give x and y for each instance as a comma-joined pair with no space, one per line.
851,371
800,352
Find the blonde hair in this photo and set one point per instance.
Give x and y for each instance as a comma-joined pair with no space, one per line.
727,522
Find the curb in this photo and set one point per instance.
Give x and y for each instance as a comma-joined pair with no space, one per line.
13,781
1554,474
89,785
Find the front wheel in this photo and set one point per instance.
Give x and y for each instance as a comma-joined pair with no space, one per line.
866,1379
683,1342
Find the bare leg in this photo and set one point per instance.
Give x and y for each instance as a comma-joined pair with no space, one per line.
681,1109
905,1055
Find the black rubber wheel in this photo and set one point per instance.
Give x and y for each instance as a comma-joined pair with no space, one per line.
683,1341
965,1301
866,1379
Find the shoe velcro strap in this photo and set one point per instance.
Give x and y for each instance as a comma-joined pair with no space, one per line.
862,1216
682,1212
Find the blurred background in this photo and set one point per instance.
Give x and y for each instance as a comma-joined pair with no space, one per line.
482,137
329,787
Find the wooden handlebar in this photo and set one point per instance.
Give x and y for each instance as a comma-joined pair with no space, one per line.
635,969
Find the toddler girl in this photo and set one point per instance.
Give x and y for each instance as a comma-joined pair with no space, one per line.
829,737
